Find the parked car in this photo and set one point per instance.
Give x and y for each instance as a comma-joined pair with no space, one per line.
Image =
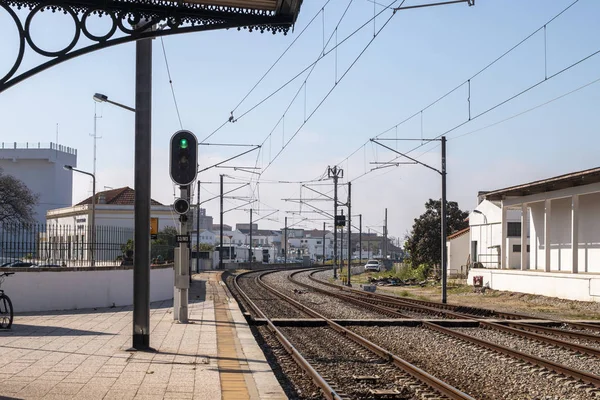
46,266
6,264
372,265
21,264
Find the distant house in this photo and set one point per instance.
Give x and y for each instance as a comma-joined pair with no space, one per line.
458,252
559,220
69,228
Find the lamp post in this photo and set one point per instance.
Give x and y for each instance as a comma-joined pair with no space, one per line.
101,98
93,233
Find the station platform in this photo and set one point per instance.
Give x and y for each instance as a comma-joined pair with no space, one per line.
83,354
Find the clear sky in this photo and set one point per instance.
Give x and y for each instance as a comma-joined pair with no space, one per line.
419,56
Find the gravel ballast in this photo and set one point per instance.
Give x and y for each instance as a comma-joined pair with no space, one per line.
480,373
329,306
558,355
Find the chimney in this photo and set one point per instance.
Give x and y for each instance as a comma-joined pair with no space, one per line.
101,198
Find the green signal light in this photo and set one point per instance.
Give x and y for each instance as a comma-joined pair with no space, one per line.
183,144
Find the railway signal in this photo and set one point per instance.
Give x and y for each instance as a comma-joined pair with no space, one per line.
183,164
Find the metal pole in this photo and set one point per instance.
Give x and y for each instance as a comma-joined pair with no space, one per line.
360,238
335,201
250,249
221,228
190,228
369,245
323,243
349,233
180,312
197,230
341,247
93,235
444,222
285,243
95,123
142,182
385,241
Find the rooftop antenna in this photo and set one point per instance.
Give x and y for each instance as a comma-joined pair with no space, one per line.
56,147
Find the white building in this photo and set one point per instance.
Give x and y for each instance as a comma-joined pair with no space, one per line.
69,228
206,237
458,252
230,237
486,240
562,216
40,167
310,244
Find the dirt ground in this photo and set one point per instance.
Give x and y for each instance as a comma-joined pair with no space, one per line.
537,306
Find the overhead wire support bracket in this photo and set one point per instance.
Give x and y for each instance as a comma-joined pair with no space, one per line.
409,157
444,3
232,190
231,158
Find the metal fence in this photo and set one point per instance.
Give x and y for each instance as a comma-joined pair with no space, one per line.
73,246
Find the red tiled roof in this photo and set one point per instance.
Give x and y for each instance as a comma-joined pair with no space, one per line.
459,233
124,196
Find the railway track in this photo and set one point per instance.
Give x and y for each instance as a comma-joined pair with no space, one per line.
578,375
551,335
476,311
377,373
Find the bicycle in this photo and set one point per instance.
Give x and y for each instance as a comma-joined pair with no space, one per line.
6,308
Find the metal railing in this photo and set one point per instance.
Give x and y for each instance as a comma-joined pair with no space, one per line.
38,145
71,246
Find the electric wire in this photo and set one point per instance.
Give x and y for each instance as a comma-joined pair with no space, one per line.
333,87
171,82
487,66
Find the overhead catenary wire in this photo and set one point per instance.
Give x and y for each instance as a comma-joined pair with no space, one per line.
171,82
296,76
332,89
467,81
232,119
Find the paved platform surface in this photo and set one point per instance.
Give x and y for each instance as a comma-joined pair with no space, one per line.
82,354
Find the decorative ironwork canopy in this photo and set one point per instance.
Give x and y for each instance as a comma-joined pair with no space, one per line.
131,20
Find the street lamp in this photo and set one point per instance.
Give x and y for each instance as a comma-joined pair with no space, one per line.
102,98
93,234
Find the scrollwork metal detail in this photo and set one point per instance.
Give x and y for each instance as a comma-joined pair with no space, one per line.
130,20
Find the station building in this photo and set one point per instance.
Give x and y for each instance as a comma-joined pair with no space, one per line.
549,237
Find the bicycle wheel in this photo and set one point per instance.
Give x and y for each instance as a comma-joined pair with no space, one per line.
6,312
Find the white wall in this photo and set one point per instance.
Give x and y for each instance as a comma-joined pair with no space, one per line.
560,234
487,231
42,171
458,252
563,286
69,290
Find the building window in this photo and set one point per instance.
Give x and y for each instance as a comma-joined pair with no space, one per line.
517,248
318,242
513,229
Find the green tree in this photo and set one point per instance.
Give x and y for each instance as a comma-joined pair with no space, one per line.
17,201
424,241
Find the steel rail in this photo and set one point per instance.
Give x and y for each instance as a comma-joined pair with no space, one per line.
327,390
552,366
443,308
485,324
483,311
353,300
419,374
555,331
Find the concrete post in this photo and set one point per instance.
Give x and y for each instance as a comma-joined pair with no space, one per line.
503,249
575,234
547,241
524,230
